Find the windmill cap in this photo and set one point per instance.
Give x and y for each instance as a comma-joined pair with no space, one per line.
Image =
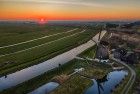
104,43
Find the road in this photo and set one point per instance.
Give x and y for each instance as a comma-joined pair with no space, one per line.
23,75
37,39
42,44
132,77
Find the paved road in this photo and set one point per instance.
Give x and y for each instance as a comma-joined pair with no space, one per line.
42,44
132,78
23,75
37,39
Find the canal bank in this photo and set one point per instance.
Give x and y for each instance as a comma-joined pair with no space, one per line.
132,78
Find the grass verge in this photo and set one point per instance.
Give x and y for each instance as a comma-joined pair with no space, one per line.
88,53
121,86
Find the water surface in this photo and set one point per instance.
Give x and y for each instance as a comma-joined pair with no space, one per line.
45,89
107,83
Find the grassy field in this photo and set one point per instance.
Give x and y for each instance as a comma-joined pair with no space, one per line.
88,53
39,54
75,85
13,33
12,49
96,72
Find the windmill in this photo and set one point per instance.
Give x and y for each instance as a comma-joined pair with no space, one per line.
97,43
101,50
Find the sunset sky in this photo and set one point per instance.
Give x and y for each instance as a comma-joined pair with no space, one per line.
70,9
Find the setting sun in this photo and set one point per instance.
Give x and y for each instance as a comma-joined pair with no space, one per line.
42,21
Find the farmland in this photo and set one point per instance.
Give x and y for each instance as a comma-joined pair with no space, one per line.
16,33
22,55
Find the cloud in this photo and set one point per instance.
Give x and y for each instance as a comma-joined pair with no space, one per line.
62,2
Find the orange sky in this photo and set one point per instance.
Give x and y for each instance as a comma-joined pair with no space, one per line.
70,9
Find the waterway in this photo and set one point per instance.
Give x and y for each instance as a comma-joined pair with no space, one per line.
107,84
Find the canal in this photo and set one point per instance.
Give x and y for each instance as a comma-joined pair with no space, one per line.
107,84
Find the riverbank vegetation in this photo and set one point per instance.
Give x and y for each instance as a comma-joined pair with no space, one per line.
119,88
136,86
96,72
75,85
36,82
138,70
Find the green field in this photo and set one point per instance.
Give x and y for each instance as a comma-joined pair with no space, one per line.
73,86
11,33
26,45
89,52
42,51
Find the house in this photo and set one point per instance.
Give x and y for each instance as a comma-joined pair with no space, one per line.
137,52
119,53
126,56
131,58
